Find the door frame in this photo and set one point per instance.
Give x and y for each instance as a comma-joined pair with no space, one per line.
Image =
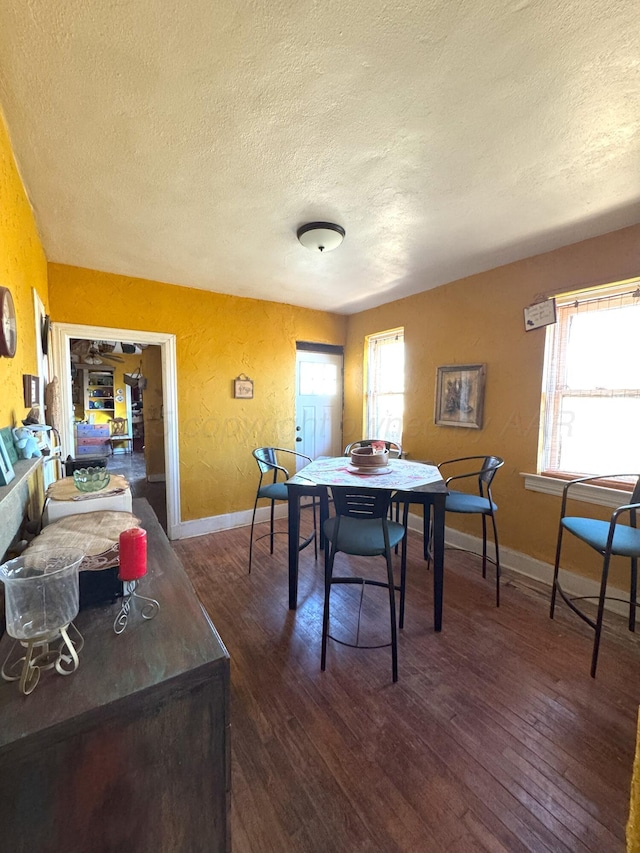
321,349
63,333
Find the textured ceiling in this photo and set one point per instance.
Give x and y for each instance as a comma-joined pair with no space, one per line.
186,141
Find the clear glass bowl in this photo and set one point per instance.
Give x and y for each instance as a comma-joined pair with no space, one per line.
91,479
41,592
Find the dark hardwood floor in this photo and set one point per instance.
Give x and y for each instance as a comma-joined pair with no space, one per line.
132,466
494,739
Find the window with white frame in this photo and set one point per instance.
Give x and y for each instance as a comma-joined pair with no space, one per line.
591,391
385,385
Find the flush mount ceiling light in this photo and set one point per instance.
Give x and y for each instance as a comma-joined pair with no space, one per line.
321,236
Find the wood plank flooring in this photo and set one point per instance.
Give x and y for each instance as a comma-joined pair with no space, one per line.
495,739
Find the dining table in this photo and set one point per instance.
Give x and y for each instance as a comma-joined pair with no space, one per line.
410,482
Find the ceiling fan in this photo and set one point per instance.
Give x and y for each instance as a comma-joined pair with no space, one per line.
97,352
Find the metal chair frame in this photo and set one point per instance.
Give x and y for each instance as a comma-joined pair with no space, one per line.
362,504
485,475
267,459
630,509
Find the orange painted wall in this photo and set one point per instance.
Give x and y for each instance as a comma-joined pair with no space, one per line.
218,338
479,319
23,266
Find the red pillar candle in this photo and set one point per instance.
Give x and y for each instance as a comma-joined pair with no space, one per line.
133,554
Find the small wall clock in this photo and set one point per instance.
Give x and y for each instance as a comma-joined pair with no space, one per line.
8,328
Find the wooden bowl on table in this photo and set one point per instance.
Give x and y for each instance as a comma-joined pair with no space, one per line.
367,457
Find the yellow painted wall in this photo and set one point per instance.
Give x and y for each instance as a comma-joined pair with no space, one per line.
218,337
23,266
479,319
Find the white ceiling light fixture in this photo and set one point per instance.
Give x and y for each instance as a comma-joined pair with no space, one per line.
321,236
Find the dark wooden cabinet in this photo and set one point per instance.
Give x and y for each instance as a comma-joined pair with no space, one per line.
131,752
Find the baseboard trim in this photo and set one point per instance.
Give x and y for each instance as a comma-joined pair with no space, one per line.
513,561
523,564
229,521
156,478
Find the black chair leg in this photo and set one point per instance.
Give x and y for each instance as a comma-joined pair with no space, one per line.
272,535
498,572
392,612
598,628
253,521
484,545
328,571
633,594
556,572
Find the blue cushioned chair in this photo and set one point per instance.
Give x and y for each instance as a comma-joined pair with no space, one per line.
275,490
480,503
360,527
608,538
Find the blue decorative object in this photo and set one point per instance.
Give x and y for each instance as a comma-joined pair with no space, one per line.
25,443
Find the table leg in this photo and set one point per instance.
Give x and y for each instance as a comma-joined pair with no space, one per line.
323,495
426,529
294,538
438,558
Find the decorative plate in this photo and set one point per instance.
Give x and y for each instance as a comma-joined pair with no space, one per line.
368,471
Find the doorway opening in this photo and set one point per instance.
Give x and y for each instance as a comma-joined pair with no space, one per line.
128,377
116,386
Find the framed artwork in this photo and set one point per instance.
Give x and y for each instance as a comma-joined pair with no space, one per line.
460,395
30,389
243,388
6,468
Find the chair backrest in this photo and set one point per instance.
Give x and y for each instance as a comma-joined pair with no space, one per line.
119,426
266,458
489,469
395,451
362,503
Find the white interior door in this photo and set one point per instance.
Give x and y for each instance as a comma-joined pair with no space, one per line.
319,404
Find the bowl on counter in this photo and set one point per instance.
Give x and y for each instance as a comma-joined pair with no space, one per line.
91,479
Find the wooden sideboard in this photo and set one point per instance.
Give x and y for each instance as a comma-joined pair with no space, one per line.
131,752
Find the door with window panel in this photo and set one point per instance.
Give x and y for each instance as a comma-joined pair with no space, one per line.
319,400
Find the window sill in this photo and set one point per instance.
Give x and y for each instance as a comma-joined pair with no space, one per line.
599,495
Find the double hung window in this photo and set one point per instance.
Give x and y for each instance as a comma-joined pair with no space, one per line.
591,392
385,385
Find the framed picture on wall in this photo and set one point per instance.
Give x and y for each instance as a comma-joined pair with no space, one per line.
460,395
6,468
243,388
30,389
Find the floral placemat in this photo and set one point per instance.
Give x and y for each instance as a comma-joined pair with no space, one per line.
399,474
